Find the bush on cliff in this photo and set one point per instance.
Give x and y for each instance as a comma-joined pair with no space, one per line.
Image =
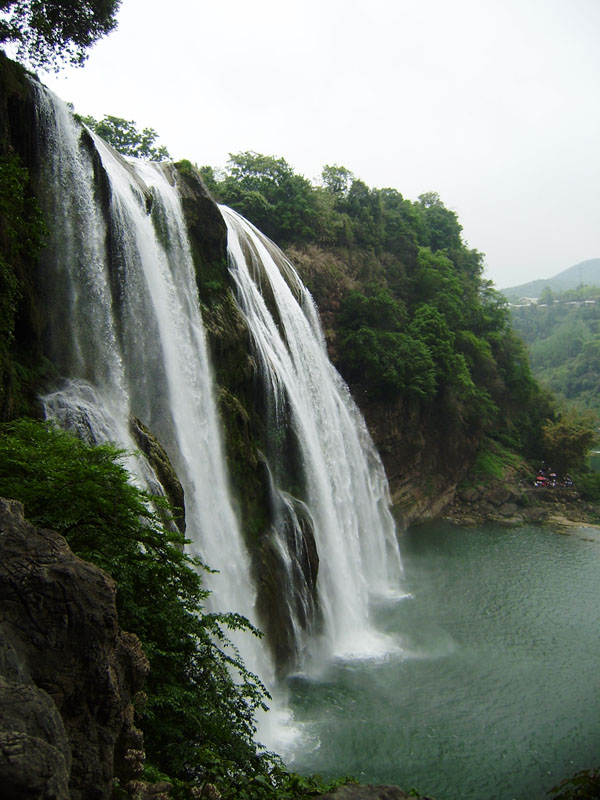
194,706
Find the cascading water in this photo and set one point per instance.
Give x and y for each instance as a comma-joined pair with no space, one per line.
125,331
345,489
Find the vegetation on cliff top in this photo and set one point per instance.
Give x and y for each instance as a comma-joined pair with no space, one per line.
123,135
409,317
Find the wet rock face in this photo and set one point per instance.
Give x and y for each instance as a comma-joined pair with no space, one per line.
67,671
165,472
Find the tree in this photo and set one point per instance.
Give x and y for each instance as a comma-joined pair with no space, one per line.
443,227
50,32
337,179
198,718
567,440
268,191
123,135
546,297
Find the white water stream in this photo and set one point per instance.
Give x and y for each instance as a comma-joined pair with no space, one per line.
125,329
126,335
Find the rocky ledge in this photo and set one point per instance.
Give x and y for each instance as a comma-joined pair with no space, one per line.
514,504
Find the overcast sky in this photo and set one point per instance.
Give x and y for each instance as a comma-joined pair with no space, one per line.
494,104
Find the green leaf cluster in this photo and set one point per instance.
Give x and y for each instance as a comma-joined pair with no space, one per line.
567,440
22,236
51,32
198,717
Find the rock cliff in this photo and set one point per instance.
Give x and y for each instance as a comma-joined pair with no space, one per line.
68,673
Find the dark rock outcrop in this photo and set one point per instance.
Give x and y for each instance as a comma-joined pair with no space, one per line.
67,671
164,470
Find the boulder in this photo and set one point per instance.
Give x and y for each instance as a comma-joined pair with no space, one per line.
507,510
31,768
535,514
498,495
469,495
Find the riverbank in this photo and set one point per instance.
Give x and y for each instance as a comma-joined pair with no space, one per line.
514,504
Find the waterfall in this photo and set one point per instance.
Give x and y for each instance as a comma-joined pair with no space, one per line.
342,482
125,332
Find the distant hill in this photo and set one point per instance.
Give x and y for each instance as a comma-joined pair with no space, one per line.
587,272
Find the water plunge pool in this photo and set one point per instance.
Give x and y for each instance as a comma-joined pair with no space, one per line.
496,692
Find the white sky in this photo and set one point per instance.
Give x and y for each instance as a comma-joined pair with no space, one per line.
495,104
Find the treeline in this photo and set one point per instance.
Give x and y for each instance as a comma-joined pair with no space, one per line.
562,334
414,321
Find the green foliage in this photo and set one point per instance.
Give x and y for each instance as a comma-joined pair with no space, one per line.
563,339
194,705
267,191
429,326
375,350
567,440
493,463
274,783
123,135
588,485
22,233
51,32
388,363
414,320
377,310
337,180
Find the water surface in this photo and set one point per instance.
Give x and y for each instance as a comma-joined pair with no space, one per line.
495,693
